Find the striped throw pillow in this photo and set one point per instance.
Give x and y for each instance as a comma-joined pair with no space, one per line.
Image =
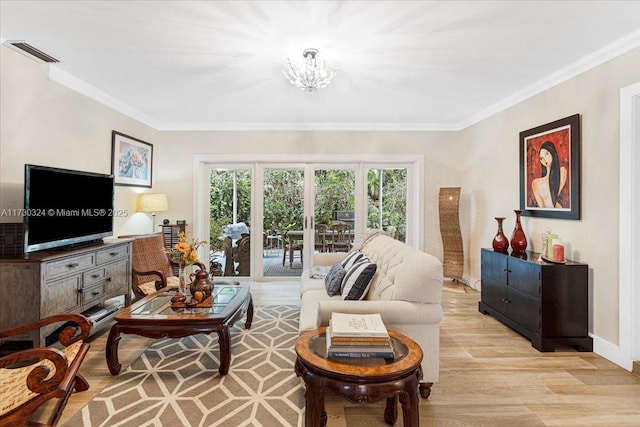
351,258
357,280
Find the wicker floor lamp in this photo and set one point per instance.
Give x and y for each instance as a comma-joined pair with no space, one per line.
453,255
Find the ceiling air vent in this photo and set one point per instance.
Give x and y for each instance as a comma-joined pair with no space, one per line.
30,51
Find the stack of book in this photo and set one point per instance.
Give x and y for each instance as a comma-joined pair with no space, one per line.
358,335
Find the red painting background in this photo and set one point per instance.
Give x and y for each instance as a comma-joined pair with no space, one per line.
561,138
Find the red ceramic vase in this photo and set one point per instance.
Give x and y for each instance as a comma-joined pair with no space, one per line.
518,239
500,242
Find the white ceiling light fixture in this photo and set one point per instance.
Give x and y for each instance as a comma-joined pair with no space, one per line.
313,75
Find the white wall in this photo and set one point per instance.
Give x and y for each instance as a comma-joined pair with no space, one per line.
43,122
493,178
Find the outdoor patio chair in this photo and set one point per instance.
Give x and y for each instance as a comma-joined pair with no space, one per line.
290,246
321,240
340,237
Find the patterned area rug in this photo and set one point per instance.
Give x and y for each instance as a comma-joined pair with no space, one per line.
175,382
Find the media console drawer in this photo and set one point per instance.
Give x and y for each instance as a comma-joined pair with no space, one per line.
108,255
70,265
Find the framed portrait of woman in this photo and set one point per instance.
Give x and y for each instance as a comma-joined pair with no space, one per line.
550,169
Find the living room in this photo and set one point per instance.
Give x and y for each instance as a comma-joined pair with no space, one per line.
48,123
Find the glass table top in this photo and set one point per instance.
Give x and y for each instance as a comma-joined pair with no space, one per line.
161,303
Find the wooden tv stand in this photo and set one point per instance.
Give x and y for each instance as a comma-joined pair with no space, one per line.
44,283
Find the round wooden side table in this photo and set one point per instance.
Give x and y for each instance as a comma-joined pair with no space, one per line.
363,380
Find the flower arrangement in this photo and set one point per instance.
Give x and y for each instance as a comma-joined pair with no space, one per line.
183,253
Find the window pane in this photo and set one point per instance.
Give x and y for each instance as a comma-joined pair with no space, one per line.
387,201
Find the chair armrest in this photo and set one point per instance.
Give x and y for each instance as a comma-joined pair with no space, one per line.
38,375
46,358
160,274
68,336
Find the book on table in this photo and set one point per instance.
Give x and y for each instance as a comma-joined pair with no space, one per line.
358,335
358,325
380,349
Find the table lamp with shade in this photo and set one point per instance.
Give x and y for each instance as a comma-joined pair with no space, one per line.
152,203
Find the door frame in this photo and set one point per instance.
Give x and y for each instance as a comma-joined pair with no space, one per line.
203,162
629,238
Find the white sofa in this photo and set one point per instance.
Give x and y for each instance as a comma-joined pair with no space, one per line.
406,290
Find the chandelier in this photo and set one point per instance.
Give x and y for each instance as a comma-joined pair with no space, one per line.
312,75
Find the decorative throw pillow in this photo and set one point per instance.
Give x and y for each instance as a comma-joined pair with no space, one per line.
351,258
333,279
357,280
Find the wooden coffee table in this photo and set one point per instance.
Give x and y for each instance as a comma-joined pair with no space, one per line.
360,379
153,317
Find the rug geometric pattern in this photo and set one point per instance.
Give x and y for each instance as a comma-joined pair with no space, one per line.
175,382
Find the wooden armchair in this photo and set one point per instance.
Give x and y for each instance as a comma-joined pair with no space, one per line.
152,269
31,378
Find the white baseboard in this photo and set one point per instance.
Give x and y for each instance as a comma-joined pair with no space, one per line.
612,353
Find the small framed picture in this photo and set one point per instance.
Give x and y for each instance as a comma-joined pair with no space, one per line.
131,160
550,169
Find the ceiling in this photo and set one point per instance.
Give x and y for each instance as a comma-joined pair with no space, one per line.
423,65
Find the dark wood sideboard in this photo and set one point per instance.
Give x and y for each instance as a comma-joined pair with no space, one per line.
545,302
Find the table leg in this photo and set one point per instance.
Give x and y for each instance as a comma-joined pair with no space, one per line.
409,401
314,413
391,410
224,341
111,351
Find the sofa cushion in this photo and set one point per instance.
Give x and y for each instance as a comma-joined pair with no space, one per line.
404,273
357,280
333,279
319,271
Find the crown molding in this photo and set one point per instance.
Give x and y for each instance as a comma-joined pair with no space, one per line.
84,88
584,64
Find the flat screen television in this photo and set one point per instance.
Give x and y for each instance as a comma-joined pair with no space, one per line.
64,207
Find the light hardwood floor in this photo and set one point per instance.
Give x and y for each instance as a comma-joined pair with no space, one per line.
489,375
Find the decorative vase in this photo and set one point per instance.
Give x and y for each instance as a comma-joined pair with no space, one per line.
201,287
180,296
500,242
518,238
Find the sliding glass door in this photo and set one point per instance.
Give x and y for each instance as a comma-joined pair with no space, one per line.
282,203
267,219
230,221
387,201
334,208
